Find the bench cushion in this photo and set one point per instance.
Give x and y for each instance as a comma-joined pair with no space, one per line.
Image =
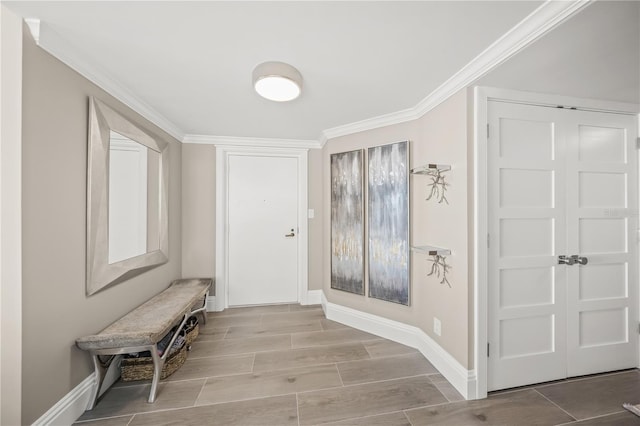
150,322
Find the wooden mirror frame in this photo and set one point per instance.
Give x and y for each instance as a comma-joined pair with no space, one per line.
101,273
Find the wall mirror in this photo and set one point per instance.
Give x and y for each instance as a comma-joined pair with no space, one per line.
127,208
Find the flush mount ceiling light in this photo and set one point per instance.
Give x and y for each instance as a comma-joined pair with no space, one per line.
277,81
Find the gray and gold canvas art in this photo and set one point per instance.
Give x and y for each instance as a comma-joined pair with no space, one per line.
388,219
347,222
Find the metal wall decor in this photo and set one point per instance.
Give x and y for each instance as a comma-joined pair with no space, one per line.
347,222
438,258
438,185
440,268
437,189
388,219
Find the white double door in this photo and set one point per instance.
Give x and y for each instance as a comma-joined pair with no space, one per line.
561,183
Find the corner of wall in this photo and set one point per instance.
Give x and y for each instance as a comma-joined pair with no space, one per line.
11,39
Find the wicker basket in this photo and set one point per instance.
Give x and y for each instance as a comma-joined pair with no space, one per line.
141,368
192,330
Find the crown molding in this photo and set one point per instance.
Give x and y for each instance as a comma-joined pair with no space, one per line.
322,140
542,20
61,49
34,28
250,141
372,123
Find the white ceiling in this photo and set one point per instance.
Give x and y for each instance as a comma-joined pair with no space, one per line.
191,62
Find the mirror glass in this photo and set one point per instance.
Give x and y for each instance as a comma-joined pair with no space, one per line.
131,167
127,209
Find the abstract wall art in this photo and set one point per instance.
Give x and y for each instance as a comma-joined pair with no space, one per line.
388,220
347,222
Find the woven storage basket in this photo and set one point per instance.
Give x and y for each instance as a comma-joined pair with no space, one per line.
191,332
141,368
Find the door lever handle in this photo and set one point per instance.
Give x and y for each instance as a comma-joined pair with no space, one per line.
564,260
579,259
290,235
572,260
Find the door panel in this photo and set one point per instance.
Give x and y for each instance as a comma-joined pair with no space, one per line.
601,225
603,144
590,282
520,237
263,228
561,182
526,140
599,189
526,188
527,292
526,287
600,235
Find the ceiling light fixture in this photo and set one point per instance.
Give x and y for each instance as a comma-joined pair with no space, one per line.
277,81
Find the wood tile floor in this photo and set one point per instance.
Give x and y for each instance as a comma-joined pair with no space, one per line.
289,365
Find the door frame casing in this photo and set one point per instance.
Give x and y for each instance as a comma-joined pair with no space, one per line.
481,98
223,153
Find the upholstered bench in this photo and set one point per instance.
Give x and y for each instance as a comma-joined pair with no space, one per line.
141,329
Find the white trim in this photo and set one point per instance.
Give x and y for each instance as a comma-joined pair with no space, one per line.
71,406
546,17
481,229
462,379
251,142
223,152
322,140
552,100
314,297
482,95
75,403
10,217
211,304
397,117
63,50
34,28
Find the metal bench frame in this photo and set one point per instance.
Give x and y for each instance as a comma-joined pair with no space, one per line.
101,367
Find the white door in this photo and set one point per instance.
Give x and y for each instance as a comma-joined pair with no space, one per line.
561,183
602,226
262,230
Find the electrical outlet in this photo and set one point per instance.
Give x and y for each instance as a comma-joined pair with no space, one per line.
437,326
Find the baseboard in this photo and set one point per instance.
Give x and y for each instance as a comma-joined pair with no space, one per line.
314,297
75,403
211,304
462,379
71,407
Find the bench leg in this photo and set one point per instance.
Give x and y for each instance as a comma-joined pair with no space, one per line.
202,310
101,371
158,363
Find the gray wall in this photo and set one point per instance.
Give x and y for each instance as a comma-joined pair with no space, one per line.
55,308
316,202
596,54
199,210
440,136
